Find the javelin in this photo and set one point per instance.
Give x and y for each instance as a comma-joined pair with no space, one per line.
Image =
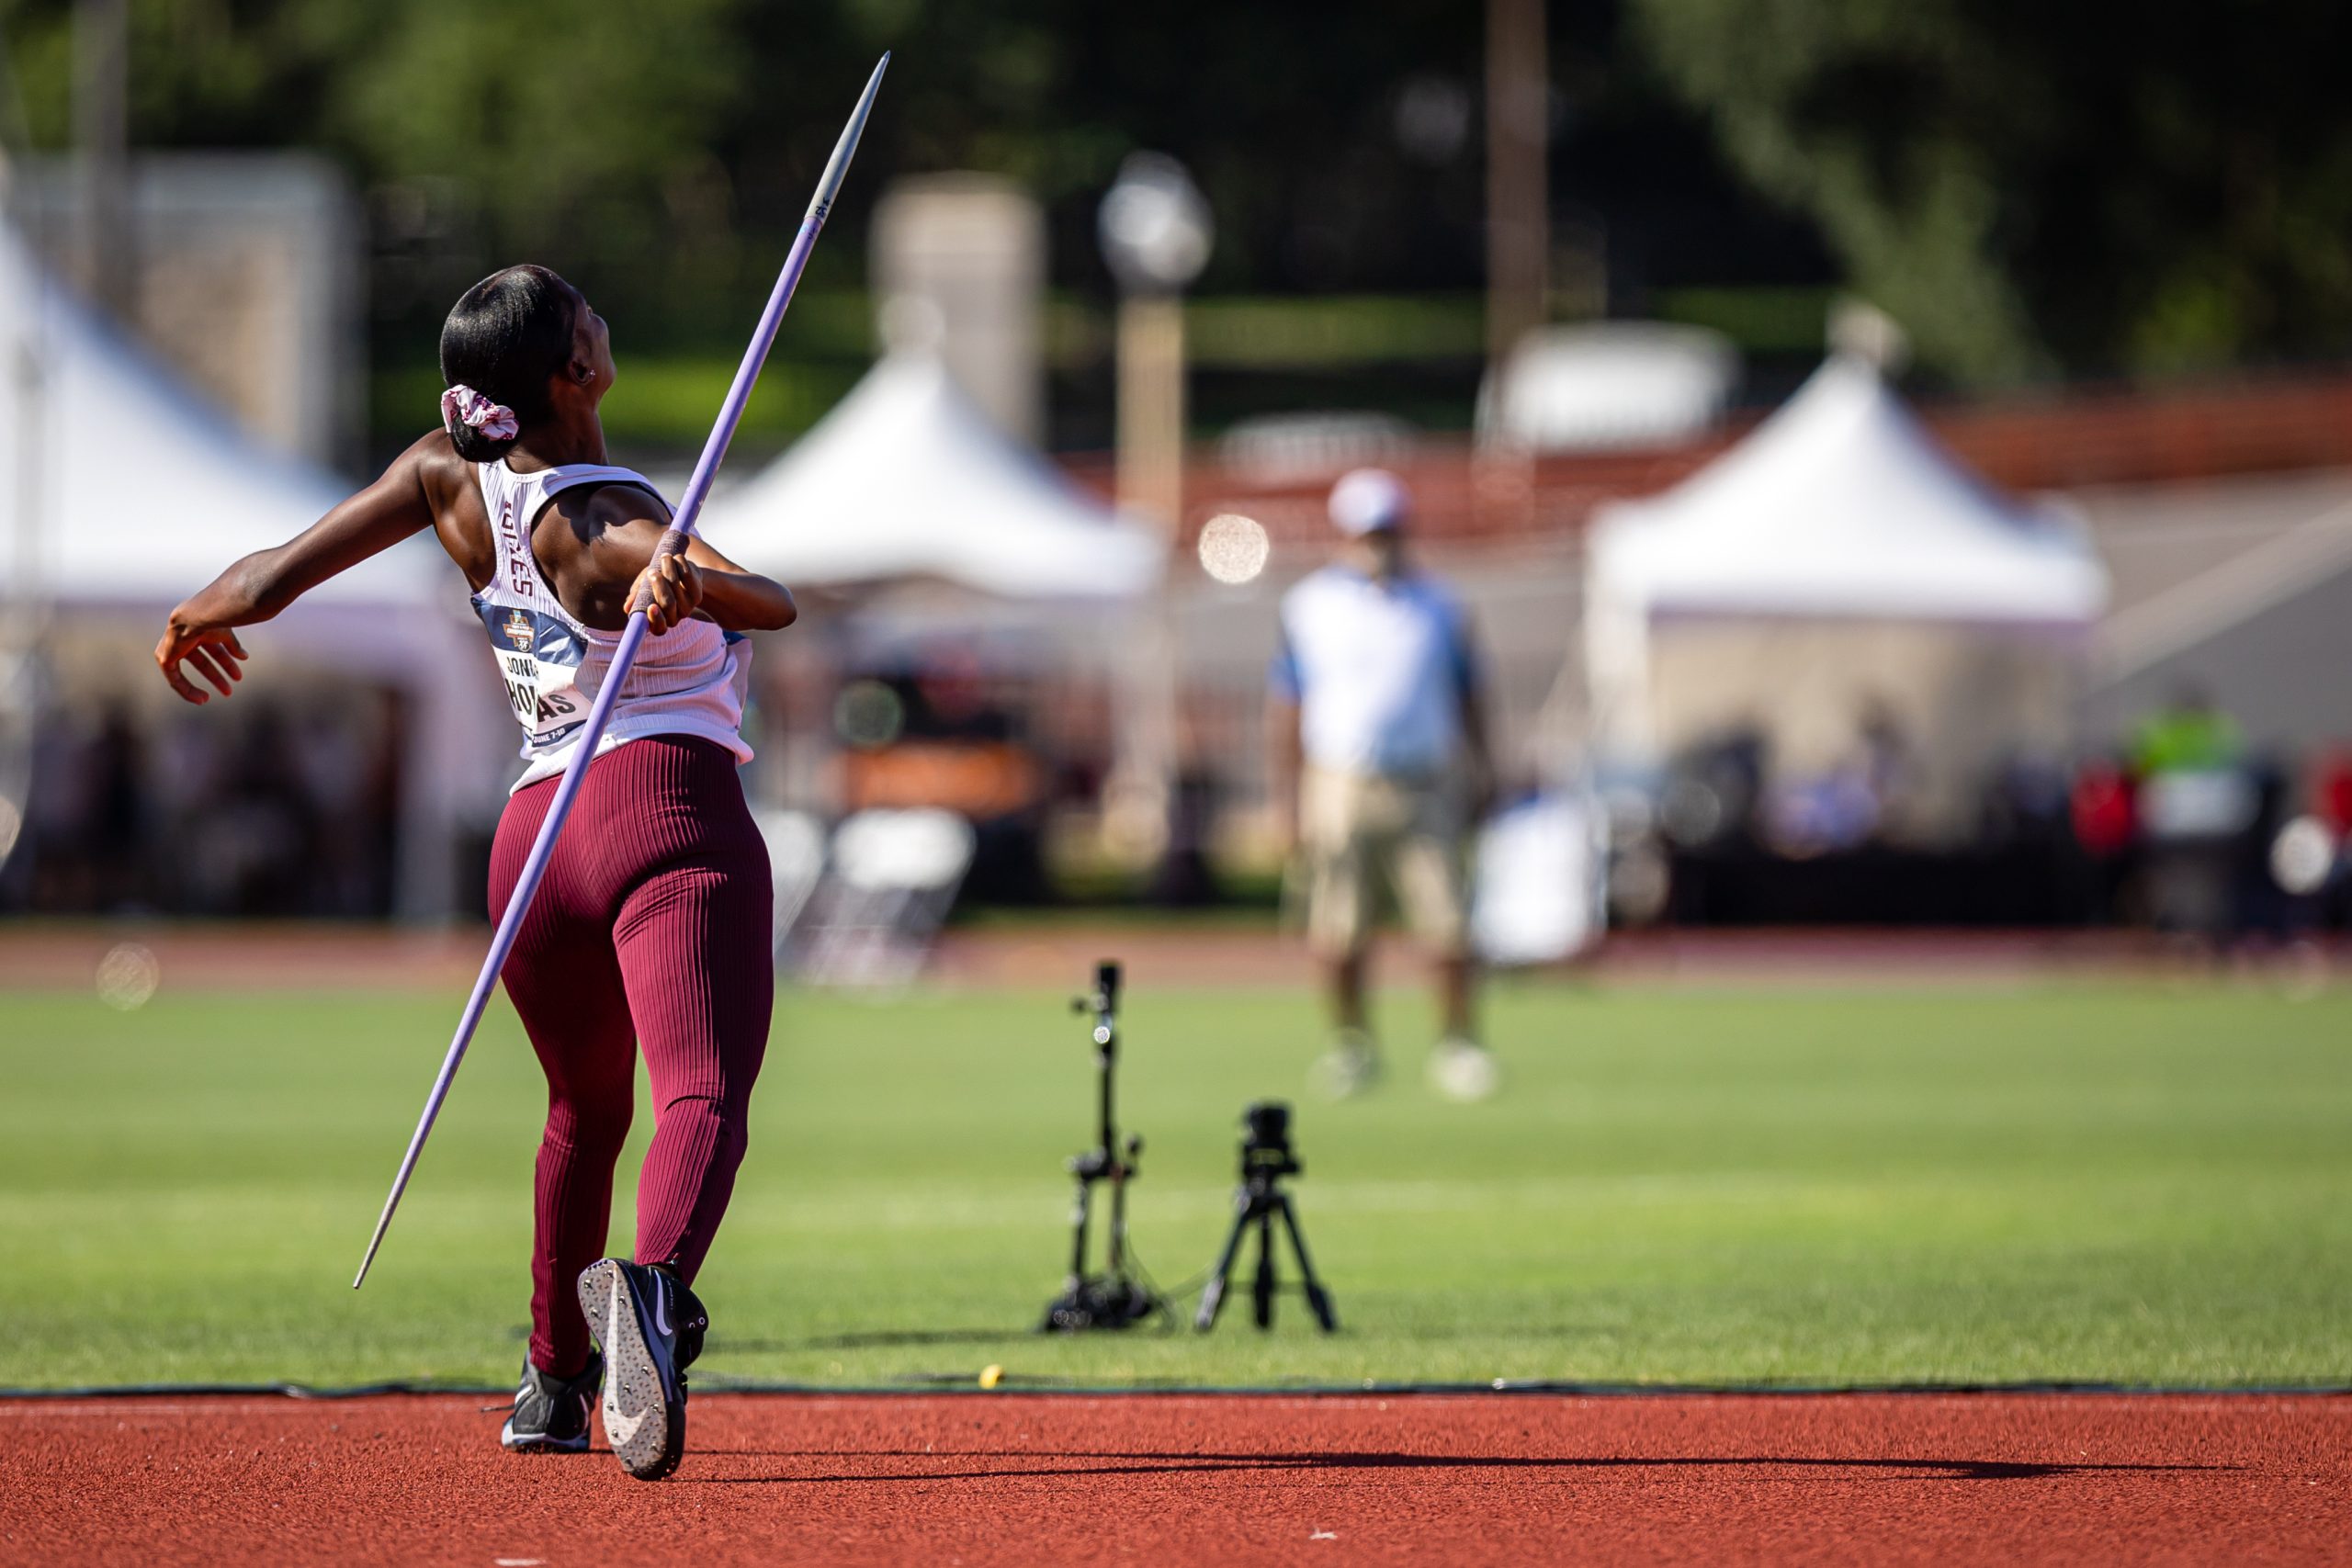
682,526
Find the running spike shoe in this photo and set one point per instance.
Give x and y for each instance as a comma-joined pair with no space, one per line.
550,1414
641,1318
1463,1070
1352,1066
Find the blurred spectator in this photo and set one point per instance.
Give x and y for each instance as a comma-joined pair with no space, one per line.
2332,790
2103,808
2029,802
1870,797
264,814
60,807
1714,792
2105,818
117,841
2198,808
1379,769
2324,882
255,851
1827,814
1892,773
2188,735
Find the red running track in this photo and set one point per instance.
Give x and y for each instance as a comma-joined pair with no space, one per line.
1029,1479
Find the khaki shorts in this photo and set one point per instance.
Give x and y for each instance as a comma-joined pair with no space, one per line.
1356,828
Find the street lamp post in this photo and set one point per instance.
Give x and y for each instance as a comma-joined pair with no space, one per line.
1519,237
101,133
1156,235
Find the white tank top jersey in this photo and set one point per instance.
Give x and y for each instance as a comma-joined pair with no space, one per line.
688,680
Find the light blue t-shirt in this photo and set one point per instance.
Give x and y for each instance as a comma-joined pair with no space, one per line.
1377,670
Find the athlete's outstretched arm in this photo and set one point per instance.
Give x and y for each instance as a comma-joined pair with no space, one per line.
201,632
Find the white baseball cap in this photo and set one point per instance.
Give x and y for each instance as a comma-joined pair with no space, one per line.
1368,499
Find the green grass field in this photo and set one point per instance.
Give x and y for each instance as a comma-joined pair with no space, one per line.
2119,1183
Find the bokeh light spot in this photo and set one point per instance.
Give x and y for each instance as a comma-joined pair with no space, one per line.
1233,547
128,976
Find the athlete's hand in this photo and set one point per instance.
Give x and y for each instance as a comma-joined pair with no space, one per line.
212,652
668,591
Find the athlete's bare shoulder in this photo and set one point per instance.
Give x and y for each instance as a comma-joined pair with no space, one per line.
432,462
606,513
619,503
433,471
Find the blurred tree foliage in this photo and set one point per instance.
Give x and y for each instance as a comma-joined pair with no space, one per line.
2030,187
2143,185
646,144
532,126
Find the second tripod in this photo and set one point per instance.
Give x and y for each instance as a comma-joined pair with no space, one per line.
1258,1204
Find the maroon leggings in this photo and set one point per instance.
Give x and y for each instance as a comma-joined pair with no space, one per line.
651,931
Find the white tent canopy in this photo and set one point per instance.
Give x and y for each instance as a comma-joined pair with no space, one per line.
1841,504
1834,570
905,479
125,492
139,491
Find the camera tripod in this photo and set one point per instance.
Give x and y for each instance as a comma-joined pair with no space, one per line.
1114,1298
1257,1202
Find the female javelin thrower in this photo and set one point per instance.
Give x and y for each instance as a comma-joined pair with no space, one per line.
653,928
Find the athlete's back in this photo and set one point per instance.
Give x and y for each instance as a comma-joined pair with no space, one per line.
690,681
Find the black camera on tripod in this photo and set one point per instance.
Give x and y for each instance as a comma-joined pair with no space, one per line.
1265,1147
1266,1158
1122,1295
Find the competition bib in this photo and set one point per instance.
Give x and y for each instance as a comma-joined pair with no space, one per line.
539,660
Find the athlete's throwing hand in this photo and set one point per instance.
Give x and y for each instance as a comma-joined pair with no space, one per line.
669,591
212,651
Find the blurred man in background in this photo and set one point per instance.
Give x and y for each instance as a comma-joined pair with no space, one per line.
1379,767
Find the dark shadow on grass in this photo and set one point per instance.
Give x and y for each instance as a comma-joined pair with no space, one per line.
1113,1464
916,1338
